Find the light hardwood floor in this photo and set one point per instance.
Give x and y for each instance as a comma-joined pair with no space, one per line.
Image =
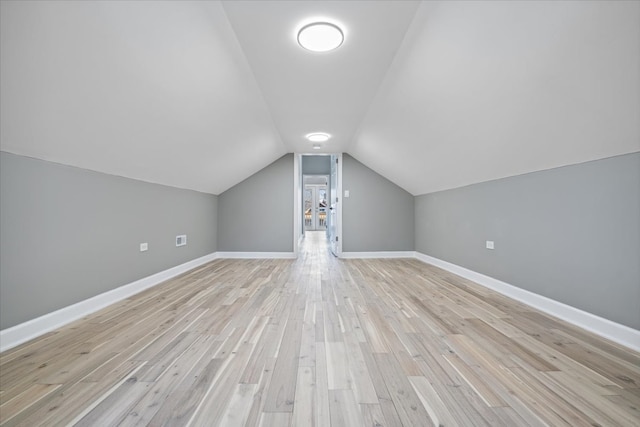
319,341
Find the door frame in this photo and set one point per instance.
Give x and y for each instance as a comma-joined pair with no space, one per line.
298,188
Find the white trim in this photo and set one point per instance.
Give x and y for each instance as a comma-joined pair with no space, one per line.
297,202
257,255
339,205
378,254
33,328
16,335
616,332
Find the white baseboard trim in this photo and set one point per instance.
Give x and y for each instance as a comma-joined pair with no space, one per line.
378,254
257,255
18,334
613,331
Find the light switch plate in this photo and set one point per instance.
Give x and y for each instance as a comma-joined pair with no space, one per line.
144,247
346,193
490,244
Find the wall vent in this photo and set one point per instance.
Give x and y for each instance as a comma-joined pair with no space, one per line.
181,240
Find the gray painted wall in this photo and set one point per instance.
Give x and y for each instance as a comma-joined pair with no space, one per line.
571,234
378,215
67,234
316,165
256,215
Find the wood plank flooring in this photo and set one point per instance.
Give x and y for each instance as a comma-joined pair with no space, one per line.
319,341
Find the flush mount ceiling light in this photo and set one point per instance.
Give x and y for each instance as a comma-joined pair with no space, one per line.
318,137
320,37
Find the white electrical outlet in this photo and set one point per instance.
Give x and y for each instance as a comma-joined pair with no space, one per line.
490,244
181,240
144,247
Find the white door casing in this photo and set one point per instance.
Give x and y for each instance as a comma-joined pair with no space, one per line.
335,224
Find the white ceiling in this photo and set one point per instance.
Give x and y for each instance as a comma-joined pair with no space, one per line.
485,90
319,92
157,91
432,95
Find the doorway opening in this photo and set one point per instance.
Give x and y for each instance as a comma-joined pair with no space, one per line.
316,201
316,209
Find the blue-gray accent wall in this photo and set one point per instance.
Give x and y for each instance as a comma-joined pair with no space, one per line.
378,215
68,234
571,234
256,215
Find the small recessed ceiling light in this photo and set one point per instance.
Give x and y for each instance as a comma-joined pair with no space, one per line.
320,36
316,146
318,137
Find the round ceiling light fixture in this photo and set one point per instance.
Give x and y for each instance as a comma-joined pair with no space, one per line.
318,137
320,37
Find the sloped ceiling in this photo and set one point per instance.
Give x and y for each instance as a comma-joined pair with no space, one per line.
485,90
432,95
156,91
319,92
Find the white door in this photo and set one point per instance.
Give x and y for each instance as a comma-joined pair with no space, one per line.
333,215
315,207
321,203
